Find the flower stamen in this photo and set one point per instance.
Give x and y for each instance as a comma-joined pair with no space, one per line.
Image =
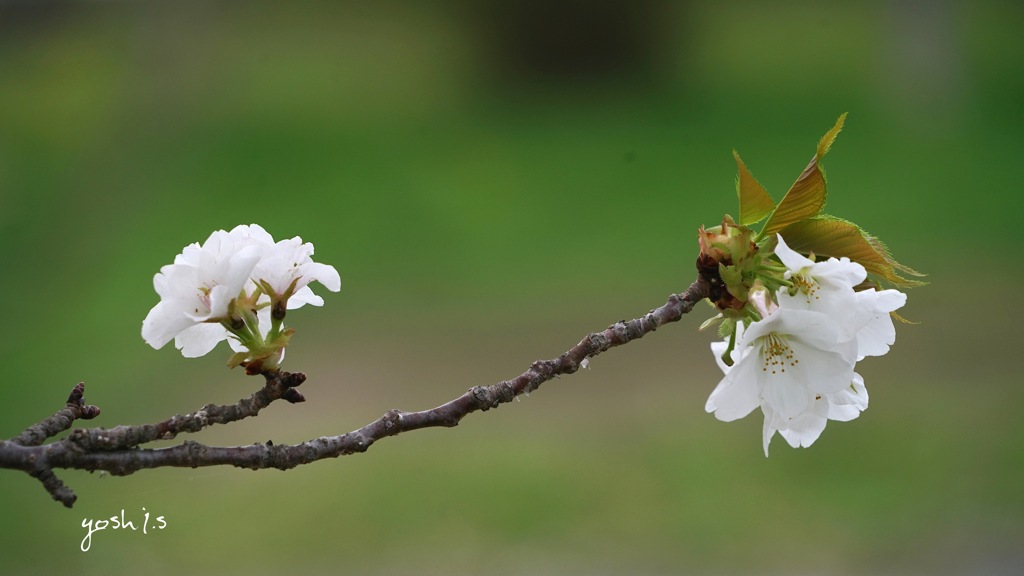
777,354
807,286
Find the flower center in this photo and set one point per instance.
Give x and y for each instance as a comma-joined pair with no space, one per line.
204,298
777,354
807,286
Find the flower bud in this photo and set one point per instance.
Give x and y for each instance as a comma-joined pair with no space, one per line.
727,261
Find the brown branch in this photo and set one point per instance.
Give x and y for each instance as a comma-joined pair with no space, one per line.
61,420
115,450
35,435
279,385
84,441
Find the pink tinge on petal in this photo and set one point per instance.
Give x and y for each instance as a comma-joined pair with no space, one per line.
217,301
762,303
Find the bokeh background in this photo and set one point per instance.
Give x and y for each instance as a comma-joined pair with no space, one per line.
495,180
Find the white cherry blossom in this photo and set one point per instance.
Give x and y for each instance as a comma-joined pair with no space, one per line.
797,362
828,287
216,291
802,430
878,332
195,294
784,361
824,287
290,261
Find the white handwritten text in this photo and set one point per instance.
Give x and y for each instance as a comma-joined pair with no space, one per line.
119,523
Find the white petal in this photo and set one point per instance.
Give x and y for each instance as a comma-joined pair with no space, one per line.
878,332
220,297
326,275
888,300
813,327
240,267
303,297
290,261
189,255
823,371
838,273
839,304
850,402
199,339
176,280
236,345
770,426
162,324
791,259
253,234
176,286
718,349
785,394
875,338
737,394
802,430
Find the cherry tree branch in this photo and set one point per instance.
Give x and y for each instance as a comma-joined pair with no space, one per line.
35,435
61,420
280,385
116,450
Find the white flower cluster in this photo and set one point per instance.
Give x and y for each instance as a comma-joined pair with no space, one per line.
797,362
228,289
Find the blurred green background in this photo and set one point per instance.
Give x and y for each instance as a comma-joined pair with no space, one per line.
493,181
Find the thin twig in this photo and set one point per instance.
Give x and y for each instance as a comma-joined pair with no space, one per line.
279,385
35,435
61,420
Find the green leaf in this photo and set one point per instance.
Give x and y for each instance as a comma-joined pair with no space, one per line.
829,236
755,203
806,197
